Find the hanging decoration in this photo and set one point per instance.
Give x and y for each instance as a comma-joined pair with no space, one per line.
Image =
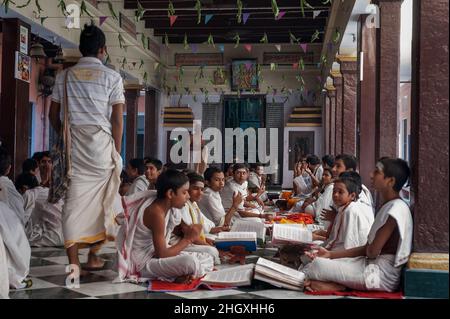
336,36
141,64
237,38
211,40
316,13
280,15
248,47
102,20
172,20
112,11
83,9
275,9
144,40
302,64
304,46
185,42
123,63
139,14
303,4
221,47
166,40
292,38
264,39
246,16
198,7
239,12
278,47
208,17
315,36
121,41
170,9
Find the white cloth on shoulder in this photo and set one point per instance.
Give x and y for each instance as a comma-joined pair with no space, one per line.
139,184
4,279
44,227
350,227
211,206
135,246
304,185
232,187
18,251
12,198
398,210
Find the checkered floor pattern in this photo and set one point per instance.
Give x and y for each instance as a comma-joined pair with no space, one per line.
49,276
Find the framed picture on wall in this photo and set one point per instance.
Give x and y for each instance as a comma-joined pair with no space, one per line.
244,75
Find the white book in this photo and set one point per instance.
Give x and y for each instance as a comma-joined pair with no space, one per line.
279,275
235,276
228,236
283,234
275,283
250,226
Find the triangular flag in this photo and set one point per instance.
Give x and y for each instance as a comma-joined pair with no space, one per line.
156,65
134,64
194,47
101,20
172,20
245,16
248,66
278,46
316,13
208,17
273,66
304,46
221,47
280,15
295,65
248,47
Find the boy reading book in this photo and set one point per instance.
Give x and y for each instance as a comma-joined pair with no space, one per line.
143,239
377,265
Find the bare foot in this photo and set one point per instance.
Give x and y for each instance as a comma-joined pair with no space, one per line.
186,279
94,262
316,285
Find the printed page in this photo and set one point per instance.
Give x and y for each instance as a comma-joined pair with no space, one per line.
297,275
291,234
233,276
245,226
236,235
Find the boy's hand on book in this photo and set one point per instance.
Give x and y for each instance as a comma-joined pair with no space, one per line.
320,252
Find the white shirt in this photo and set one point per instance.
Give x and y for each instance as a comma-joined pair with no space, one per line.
139,184
92,90
211,206
12,198
230,188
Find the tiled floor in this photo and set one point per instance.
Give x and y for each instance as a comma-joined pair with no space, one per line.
48,272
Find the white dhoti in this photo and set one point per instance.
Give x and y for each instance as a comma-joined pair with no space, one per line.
92,200
4,280
358,273
18,251
186,263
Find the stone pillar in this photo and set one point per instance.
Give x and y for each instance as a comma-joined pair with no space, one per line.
337,81
366,100
429,126
349,70
331,96
388,63
151,136
15,101
131,102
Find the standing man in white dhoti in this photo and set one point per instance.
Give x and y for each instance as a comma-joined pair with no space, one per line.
95,101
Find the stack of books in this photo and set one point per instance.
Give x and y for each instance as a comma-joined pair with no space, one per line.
226,240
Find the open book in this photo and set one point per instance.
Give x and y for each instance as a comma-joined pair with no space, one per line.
279,275
250,226
235,276
289,234
225,240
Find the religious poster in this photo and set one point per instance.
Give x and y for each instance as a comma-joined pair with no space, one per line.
22,67
23,40
244,75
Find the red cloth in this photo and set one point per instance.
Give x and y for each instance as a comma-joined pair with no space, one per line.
164,286
361,294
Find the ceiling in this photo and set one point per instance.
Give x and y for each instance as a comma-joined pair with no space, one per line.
223,26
